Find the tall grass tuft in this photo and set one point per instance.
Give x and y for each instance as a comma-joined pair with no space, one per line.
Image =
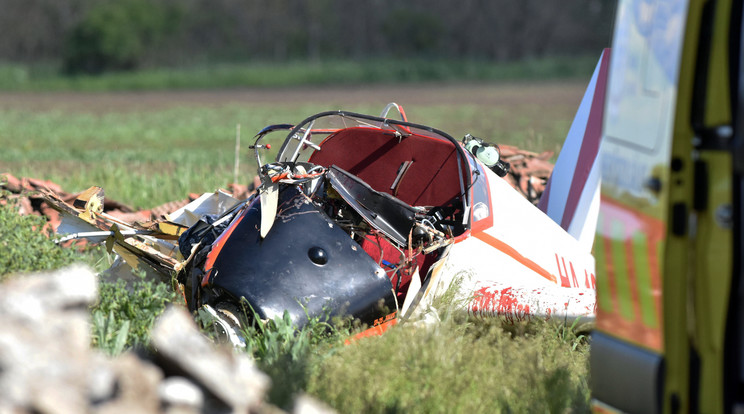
475,366
124,315
24,247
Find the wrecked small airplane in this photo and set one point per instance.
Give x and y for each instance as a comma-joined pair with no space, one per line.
372,218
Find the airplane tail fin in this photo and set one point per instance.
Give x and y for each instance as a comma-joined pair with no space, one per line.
571,197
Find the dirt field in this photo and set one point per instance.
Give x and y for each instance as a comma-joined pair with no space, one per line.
566,94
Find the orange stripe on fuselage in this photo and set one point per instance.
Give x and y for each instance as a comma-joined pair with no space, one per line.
511,252
217,248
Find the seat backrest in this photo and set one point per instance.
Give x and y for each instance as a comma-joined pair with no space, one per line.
376,156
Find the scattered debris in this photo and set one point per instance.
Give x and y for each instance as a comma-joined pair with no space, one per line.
529,171
48,366
386,202
30,192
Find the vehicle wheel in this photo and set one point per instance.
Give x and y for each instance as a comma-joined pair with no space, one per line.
227,326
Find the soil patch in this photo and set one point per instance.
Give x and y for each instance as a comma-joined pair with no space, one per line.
552,93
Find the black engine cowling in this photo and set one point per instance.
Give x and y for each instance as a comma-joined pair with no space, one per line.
306,265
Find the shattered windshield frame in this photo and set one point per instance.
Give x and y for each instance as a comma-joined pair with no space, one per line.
305,138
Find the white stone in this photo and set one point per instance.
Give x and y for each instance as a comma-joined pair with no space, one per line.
180,391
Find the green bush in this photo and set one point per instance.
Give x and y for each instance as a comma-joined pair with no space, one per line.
24,247
116,35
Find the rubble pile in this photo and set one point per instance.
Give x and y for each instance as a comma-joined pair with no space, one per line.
529,171
48,366
28,193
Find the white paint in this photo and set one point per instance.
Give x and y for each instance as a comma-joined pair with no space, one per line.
474,265
565,166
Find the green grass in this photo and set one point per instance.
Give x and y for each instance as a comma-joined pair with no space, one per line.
19,77
24,247
289,356
125,314
533,127
141,158
146,157
458,366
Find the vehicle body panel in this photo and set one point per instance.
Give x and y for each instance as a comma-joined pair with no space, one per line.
669,312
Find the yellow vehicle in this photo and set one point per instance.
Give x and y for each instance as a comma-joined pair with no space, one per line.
670,296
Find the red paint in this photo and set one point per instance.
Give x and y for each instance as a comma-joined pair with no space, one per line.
205,278
565,271
573,275
502,303
573,282
564,276
590,282
218,245
633,222
590,143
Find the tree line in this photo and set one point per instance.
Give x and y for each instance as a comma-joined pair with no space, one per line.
99,35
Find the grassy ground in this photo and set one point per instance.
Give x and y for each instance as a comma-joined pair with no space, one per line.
145,149
458,366
148,148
